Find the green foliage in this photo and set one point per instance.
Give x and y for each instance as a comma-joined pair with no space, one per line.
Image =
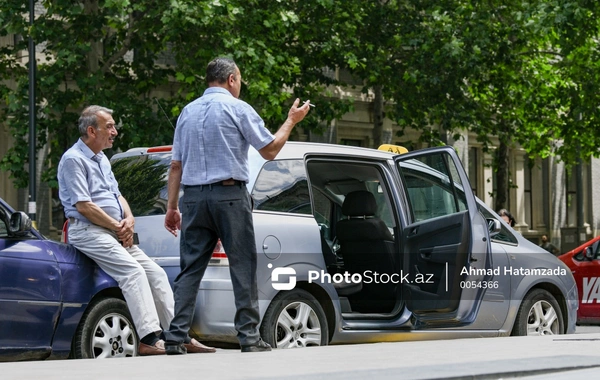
119,53
521,72
524,72
82,62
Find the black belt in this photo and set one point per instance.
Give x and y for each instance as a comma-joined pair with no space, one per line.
227,182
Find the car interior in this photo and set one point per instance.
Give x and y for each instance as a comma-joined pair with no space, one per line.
358,232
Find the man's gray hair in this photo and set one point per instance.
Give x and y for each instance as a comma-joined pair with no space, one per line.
88,117
219,70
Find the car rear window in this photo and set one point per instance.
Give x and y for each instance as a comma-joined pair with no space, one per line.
275,185
282,186
143,182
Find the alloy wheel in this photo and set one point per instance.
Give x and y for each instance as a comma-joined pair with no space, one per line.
113,337
298,326
542,319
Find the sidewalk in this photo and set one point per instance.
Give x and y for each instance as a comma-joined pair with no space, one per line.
547,357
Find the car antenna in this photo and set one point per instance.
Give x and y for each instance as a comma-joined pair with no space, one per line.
169,120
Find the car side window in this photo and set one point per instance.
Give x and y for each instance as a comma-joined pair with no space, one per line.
596,250
433,186
282,186
580,256
504,235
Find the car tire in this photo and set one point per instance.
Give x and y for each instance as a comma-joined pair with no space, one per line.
539,314
295,319
106,330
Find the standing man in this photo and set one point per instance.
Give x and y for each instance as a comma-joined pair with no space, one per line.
210,160
101,226
548,246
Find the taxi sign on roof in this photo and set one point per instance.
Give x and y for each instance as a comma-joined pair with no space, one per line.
393,148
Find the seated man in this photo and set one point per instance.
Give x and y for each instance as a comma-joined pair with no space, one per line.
101,226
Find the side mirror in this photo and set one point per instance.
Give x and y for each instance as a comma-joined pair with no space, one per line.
494,226
588,253
20,224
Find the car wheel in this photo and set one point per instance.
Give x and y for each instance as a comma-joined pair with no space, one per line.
295,319
539,314
105,331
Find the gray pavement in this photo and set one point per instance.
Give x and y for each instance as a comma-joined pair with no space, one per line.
548,357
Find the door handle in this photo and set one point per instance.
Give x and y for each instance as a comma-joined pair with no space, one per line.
426,253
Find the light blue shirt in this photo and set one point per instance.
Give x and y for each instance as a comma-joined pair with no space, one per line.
213,135
84,176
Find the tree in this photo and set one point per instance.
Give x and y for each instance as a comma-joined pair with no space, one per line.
494,68
523,72
120,53
576,33
282,49
104,54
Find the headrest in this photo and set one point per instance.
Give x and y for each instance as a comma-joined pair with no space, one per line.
359,203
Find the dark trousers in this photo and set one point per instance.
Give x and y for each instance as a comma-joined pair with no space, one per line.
211,212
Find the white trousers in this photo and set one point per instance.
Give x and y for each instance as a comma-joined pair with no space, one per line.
144,283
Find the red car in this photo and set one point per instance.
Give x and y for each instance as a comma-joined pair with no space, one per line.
584,262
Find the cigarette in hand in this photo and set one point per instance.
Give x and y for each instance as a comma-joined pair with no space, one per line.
312,105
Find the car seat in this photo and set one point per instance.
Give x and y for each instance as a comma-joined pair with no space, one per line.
366,244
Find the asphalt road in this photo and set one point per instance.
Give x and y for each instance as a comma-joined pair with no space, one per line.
548,357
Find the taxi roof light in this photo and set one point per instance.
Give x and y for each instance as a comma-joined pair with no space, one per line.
397,149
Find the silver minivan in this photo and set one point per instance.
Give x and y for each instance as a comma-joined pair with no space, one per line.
363,245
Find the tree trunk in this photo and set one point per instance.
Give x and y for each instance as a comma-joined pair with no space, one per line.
501,196
377,116
90,8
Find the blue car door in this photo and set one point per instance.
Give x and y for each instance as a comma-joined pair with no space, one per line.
30,295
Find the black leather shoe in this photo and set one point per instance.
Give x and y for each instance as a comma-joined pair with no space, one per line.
174,348
258,347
